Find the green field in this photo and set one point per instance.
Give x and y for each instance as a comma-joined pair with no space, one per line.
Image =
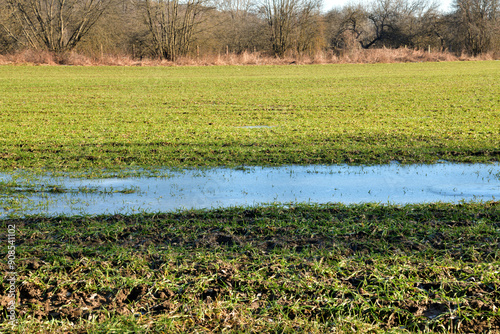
329,268
75,117
307,269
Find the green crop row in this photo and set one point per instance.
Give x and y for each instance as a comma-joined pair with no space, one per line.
105,117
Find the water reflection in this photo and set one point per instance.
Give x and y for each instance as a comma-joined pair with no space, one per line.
222,187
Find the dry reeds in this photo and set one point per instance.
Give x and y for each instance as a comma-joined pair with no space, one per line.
353,56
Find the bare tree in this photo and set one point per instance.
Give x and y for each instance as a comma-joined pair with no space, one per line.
309,35
173,24
396,22
290,22
7,33
347,26
121,30
239,26
478,23
57,25
280,15
235,7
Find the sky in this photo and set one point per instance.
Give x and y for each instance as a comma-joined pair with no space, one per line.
329,4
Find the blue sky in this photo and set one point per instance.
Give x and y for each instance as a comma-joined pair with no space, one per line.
329,4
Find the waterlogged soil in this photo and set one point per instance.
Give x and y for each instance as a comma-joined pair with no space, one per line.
417,267
224,187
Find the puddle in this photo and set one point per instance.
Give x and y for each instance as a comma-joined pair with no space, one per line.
222,187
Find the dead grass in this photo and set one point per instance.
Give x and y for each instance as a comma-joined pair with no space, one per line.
355,56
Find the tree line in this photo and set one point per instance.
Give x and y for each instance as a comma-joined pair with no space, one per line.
169,29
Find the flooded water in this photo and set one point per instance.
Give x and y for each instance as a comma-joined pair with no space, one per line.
222,187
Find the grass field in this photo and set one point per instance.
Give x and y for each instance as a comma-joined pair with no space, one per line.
314,269
76,117
329,268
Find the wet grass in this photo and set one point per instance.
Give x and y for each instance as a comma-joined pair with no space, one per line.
74,118
316,269
26,192
31,186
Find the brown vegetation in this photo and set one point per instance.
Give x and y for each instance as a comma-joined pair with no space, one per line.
361,56
244,31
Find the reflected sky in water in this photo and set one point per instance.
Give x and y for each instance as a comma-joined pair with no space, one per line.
222,187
